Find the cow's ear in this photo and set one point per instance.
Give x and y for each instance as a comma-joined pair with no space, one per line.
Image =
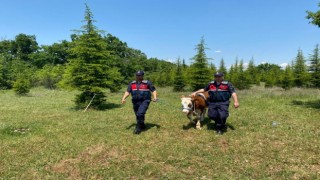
182,96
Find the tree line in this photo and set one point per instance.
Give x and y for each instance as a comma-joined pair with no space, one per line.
92,62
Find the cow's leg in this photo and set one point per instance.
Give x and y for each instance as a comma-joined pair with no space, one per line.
203,114
190,117
198,124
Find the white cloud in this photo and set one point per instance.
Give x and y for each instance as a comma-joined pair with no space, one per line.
283,65
245,65
217,51
170,60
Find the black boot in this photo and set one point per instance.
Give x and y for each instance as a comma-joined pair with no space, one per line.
219,132
142,126
220,129
137,130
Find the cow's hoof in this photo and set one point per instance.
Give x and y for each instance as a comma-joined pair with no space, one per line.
219,132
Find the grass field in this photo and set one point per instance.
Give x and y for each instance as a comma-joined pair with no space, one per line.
275,134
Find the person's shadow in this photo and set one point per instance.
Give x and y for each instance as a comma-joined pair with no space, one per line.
148,126
212,126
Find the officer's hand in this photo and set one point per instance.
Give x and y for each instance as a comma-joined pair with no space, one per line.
236,104
123,101
155,100
193,94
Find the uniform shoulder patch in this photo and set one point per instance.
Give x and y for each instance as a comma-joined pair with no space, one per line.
224,82
133,82
145,81
212,82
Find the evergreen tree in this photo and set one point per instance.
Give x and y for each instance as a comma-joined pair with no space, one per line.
252,73
213,68
200,73
287,78
314,17
242,80
186,72
91,66
22,73
222,68
231,74
272,76
315,67
234,74
21,86
300,71
184,66
264,69
179,82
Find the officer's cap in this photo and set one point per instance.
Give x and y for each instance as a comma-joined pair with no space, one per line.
218,74
139,73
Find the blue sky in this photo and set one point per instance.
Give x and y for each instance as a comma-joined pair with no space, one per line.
266,30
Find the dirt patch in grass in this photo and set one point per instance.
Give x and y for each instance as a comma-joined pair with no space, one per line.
95,156
67,166
223,145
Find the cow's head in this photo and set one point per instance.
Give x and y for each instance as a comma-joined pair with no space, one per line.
186,104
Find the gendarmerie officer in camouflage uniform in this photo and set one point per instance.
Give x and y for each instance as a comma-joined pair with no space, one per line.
141,91
220,92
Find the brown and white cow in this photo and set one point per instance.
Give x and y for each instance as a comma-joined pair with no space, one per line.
195,106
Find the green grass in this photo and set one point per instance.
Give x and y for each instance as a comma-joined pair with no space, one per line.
275,135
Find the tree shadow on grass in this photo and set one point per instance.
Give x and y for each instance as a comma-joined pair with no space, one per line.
308,104
107,106
102,107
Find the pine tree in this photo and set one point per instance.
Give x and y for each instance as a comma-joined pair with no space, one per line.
186,72
300,71
222,68
91,66
22,73
21,86
243,80
314,17
231,74
252,73
184,66
315,67
287,78
179,82
272,76
200,73
234,74
213,68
